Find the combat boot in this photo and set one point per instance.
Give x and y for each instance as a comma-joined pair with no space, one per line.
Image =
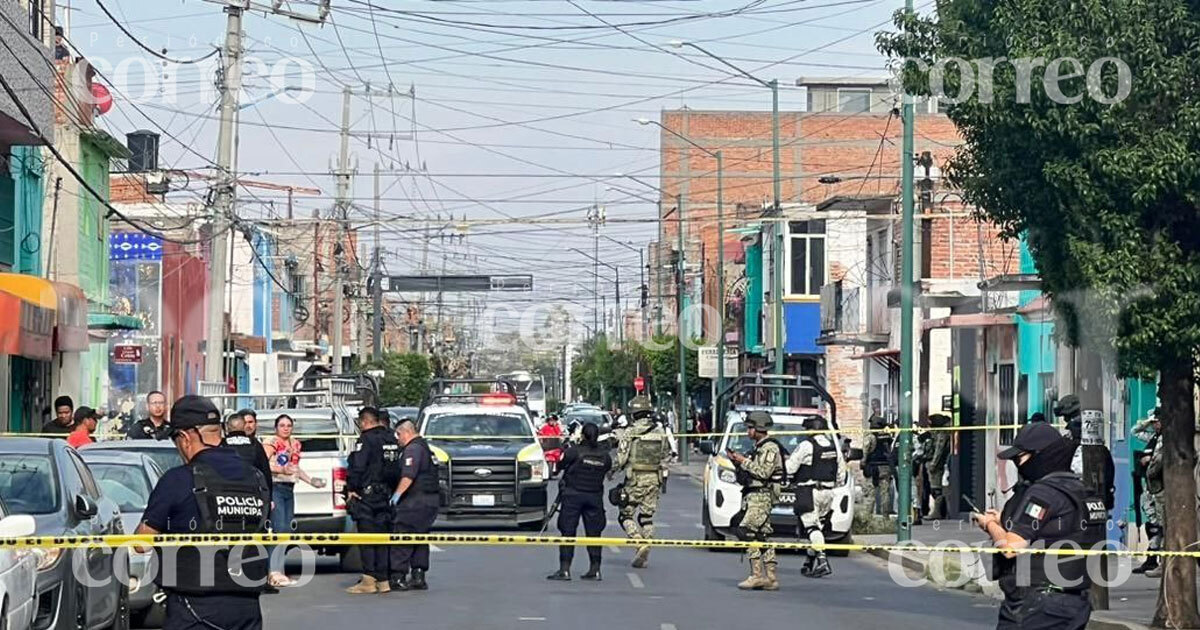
366,584
806,570
771,576
755,581
1150,564
417,581
593,573
821,567
563,574
383,586
642,557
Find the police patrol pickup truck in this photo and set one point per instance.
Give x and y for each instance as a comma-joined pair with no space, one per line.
491,468
723,495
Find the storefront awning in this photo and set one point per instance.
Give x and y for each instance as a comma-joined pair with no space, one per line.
886,352
27,307
111,321
71,325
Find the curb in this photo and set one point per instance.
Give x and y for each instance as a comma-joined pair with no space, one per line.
906,561
1103,621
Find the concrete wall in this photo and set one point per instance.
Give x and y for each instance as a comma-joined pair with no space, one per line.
29,56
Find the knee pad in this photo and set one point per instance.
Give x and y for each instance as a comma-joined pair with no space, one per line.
645,519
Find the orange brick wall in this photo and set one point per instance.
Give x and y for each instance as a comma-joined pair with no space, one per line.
962,260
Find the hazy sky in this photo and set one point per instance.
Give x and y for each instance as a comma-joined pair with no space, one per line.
537,95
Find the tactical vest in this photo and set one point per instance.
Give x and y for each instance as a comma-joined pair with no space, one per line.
383,468
778,476
587,472
226,506
427,475
881,455
648,450
822,468
1085,527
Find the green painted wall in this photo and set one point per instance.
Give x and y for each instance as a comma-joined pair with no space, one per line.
752,318
93,224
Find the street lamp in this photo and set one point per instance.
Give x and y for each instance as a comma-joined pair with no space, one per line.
777,271
720,242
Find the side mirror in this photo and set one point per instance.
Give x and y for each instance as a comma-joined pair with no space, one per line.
85,507
17,526
854,455
706,447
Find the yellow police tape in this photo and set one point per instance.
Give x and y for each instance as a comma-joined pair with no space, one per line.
846,430
519,540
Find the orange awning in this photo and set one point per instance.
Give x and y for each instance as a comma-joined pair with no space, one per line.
32,289
27,309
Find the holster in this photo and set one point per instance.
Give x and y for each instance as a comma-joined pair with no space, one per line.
804,500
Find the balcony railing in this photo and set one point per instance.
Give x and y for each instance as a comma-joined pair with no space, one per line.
848,317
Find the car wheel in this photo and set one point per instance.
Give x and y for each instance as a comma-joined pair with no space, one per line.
350,560
121,616
710,532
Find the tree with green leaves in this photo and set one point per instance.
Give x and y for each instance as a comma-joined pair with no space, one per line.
1081,132
406,378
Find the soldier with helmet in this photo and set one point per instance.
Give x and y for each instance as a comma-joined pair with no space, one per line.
761,475
642,449
815,470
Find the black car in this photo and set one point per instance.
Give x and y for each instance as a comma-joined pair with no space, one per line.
46,479
574,420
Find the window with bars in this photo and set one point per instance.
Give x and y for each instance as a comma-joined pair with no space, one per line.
806,257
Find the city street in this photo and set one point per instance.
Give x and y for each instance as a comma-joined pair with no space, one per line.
492,587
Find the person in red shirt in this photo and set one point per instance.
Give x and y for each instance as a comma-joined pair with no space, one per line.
550,435
86,419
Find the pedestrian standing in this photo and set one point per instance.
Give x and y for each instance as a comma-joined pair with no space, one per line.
641,452
761,474
1056,509
1149,466
814,467
211,588
878,463
935,466
86,420
63,421
374,471
415,507
585,467
154,426
283,452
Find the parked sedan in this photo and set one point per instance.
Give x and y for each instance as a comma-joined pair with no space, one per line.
18,572
163,452
127,479
48,480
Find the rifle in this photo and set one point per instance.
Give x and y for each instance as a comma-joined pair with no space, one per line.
553,509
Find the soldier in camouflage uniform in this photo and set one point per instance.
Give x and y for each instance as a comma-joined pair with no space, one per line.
939,458
761,475
1149,464
641,451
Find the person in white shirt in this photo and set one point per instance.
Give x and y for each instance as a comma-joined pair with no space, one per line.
815,467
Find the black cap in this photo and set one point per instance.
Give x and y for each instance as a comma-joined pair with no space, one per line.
193,411
1067,406
84,413
1032,438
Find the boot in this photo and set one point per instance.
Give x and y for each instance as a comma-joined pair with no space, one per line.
770,577
383,586
642,557
1150,564
398,584
417,581
806,570
755,581
1155,572
563,574
593,573
821,567
366,584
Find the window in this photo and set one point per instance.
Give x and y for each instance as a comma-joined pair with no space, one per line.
85,476
854,101
806,256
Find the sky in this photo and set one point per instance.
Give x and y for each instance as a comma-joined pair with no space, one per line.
496,110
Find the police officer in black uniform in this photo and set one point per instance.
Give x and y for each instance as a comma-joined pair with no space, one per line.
1055,506
585,467
415,504
373,474
154,426
246,445
215,491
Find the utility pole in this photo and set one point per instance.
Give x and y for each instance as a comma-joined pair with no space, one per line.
230,84
658,271
904,472
377,283
341,213
680,334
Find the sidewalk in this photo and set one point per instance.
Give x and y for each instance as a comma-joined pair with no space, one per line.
1131,605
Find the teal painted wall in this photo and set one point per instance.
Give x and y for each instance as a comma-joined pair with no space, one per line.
752,340
1035,343
28,171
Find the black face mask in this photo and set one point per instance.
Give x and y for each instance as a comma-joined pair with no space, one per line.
1053,458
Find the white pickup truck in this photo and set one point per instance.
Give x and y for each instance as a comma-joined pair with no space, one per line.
326,437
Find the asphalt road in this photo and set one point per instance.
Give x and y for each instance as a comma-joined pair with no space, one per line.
682,589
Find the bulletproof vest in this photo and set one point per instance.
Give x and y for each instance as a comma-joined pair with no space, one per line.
427,474
823,467
244,445
777,476
648,450
586,474
882,453
238,505
383,467
1085,527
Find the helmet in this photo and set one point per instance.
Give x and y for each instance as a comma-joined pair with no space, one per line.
815,423
640,406
759,420
1067,406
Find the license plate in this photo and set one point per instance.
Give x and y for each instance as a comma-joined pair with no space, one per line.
787,498
483,500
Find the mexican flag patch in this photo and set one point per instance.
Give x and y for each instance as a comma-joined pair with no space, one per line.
1036,511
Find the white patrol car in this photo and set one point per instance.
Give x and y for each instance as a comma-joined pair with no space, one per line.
491,467
723,495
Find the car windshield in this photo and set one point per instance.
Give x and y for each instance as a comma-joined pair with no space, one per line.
166,458
479,426
27,484
741,443
125,484
589,416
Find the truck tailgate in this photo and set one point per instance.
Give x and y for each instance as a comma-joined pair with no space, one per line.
312,501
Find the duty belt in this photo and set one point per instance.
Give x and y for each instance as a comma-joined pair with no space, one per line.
375,487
